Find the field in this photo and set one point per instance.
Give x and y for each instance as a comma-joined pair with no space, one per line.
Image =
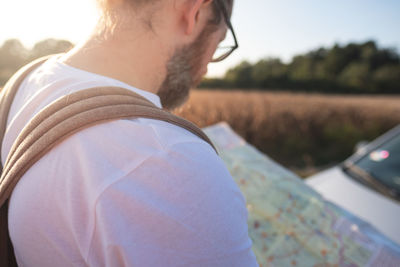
305,132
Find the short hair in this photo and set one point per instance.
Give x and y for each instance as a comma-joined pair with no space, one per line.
227,4
110,19
103,4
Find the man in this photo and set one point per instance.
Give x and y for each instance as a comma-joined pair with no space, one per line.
135,192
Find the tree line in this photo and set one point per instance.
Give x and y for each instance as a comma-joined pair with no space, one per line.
13,54
351,68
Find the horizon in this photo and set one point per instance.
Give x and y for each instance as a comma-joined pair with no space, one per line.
276,29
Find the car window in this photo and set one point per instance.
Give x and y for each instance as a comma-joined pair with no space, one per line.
383,163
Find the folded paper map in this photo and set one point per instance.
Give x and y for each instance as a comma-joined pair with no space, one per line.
290,224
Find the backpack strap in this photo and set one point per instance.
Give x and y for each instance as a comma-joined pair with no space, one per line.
8,93
72,113
63,118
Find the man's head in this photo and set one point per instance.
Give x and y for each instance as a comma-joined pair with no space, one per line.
188,32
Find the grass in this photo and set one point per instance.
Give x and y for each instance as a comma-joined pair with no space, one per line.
304,132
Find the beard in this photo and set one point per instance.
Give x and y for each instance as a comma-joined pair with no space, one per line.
183,72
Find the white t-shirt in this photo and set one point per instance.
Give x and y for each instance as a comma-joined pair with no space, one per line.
131,192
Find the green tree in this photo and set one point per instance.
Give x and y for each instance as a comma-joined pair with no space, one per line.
50,46
268,72
387,78
355,75
301,68
12,56
309,66
240,76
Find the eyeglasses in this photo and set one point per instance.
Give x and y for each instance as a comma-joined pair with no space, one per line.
225,51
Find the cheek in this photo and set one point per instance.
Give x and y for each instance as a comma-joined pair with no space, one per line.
208,47
214,43
206,60
208,55
202,62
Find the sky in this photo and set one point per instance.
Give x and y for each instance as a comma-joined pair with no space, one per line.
264,28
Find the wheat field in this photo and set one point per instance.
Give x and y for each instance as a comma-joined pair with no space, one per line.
304,132
299,130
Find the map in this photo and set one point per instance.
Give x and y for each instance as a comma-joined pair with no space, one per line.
290,224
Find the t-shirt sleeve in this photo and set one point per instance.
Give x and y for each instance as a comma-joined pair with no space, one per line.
179,207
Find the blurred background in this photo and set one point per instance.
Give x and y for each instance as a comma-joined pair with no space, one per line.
309,81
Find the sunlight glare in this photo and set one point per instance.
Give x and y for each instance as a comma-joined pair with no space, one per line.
33,21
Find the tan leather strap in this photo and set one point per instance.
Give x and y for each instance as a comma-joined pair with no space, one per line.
7,95
58,121
9,91
71,114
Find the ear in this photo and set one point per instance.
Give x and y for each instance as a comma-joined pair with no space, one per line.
192,13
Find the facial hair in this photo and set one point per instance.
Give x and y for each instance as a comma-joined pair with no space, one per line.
183,72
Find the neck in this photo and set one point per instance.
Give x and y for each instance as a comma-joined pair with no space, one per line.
138,60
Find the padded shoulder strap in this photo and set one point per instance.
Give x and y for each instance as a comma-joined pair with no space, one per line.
71,114
58,121
9,91
7,94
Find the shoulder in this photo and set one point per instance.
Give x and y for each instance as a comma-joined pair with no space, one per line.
109,151
179,203
142,135
135,189
126,154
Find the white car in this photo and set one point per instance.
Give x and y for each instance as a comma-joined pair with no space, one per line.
368,184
